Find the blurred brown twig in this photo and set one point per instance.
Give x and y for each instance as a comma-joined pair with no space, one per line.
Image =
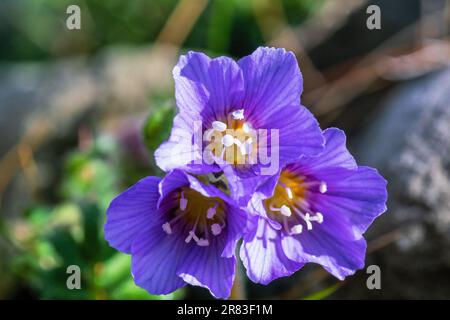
20,157
181,21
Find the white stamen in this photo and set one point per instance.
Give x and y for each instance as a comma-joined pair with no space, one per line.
166,227
238,114
307,219
285,224
289,193
203,242
211,212
318,217
243,149
194,236
216,229
285,211
246,147
237,142
188,238
246,127
183,202
323,187
297,229
219,126
228,140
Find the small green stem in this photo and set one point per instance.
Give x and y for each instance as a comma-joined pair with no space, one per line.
238,289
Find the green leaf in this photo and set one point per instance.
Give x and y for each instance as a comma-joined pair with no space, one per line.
66,247
114,270
157,126
220,24
128,290
91,229
322,294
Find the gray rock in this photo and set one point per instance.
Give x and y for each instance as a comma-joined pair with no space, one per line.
410,144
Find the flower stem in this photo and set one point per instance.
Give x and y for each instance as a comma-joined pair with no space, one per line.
238,289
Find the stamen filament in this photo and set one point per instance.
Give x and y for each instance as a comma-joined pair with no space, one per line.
305,218
287,189
284,210
285,225
318,217
192,234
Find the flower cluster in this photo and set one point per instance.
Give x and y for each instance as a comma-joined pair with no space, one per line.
245,160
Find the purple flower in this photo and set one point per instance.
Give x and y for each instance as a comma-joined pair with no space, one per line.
315,210
245,116
178,230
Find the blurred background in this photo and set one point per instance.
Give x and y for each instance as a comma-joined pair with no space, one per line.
81,112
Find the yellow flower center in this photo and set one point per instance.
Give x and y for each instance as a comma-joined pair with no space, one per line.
198,216
232,140
289,204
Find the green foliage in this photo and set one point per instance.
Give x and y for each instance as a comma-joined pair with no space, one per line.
324,293
90,175
70,231
51,238
220,25
36,29
158,125
297,11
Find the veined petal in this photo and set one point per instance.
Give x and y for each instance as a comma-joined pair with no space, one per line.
242,188
262,254
335,154
132,212
272,81
352,201
183,148
298,134
354,198
236,218
340,257
237,224
207,89
155,257
177,178
273,86
206,268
